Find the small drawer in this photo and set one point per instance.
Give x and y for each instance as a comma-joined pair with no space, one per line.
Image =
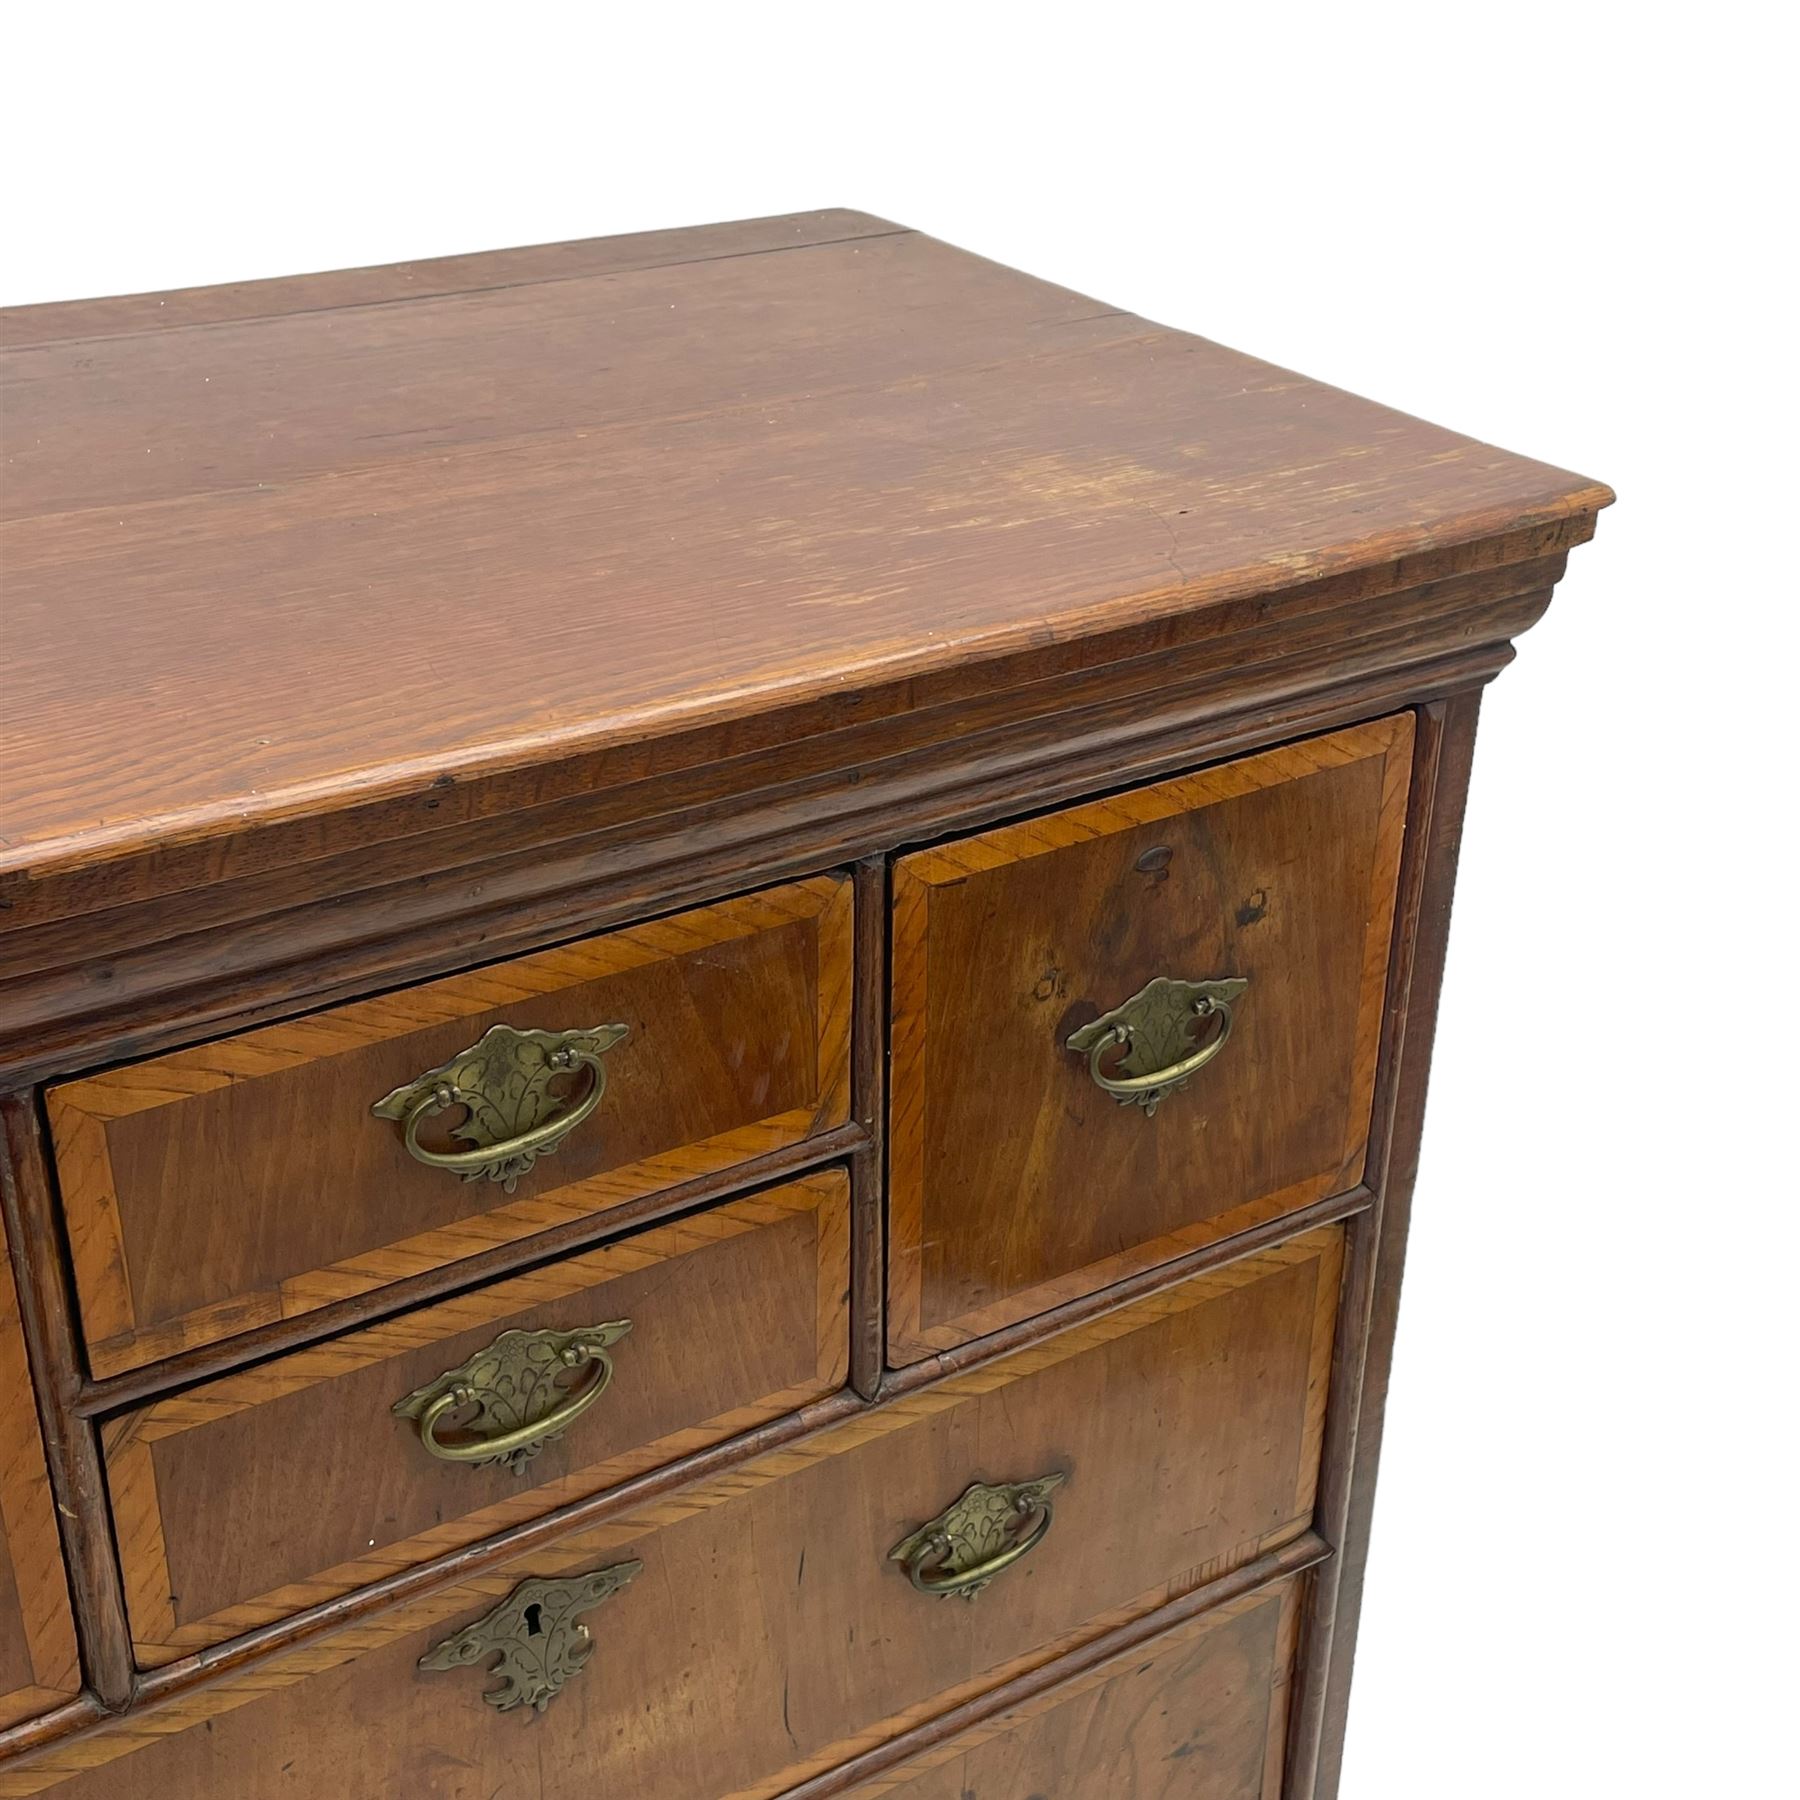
246,1499
1132,1028
1199,1713
38,1664
262,1176
745,1633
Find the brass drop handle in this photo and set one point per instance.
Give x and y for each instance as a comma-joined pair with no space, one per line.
512,1386
972,1580
527,1147
988,1530
504,1082
1128,1087
1155,1028
534,1432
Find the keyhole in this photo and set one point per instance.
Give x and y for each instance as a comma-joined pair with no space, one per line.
534,1620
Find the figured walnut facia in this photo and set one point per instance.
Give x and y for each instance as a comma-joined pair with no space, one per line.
1013,952
1243,1346
741,1317
241,1182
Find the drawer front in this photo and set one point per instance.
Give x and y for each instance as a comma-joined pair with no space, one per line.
1236,924
241,1501
249,1180
769,1632
1200,1713
38,1666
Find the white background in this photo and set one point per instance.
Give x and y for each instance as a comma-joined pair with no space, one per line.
1552,226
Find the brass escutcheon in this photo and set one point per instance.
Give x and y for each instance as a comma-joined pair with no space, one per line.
537,1634
504,1083
983,1534
1154,1028
512,1394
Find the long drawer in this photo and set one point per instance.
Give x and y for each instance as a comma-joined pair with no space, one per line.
1199,1713
1133,1027
744,1633
262,1176
243,1500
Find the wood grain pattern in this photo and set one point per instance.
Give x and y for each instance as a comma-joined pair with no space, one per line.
1196,1714
1015,1183
789,1549
1452,603
740,1314
686,479
38,1666
244,1181
1132,1640
99,1399
166,1682
544,855
60,1721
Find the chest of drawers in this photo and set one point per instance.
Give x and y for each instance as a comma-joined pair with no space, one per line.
717,955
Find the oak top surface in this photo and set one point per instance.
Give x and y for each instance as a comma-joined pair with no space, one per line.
279,547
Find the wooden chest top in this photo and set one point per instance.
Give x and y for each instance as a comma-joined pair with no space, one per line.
278,550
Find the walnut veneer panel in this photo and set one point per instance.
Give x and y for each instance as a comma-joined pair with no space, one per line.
563,506
38,1665
1016,1182
245,1181
250,1497
1198,1714
769,1636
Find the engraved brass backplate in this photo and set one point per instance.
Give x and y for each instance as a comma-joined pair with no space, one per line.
537,1634
985,1532
504,1083
507,1401
1156,1031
